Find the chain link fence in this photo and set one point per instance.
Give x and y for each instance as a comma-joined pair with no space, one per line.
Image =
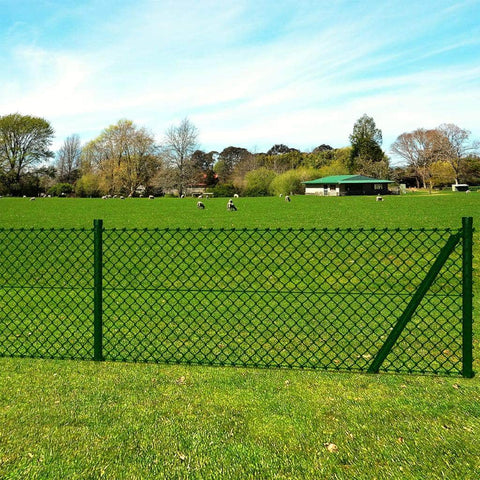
297,298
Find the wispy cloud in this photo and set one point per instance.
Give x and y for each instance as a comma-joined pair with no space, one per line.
247,73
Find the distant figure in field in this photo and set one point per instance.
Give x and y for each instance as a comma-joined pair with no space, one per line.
235,195
200,205
231,206
287,198
379,198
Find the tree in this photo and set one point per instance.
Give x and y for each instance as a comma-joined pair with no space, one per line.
470,170
441,174
68,159
322,148
290,182
454,146
202,163
179,145
419,149
257,182
123,157
228,159
278,149
366,140
24,143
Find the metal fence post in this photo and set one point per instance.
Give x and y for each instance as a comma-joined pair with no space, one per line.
467,274
97,290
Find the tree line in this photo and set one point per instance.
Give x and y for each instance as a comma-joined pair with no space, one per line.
125,159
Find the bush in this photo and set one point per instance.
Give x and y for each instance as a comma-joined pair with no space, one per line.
87,186
60,189
223,190
290,182
257,182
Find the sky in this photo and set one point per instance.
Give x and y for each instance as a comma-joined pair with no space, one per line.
248,73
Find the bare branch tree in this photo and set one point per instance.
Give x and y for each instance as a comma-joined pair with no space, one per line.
454,146
68,159
418,149
179,144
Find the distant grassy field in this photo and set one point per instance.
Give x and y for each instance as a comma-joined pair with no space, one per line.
64,419
416,211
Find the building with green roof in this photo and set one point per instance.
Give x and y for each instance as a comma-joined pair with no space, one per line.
340,185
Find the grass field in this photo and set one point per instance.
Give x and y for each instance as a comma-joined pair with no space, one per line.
67,419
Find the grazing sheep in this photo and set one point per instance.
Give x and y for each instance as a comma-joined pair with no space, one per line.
151,197
32,199
235,195
182,196
231,206
122,197
281,195
379,198
287,198
200,205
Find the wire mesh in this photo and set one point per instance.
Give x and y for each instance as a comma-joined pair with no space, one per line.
297,298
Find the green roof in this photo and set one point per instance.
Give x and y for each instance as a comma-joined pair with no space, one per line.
344,179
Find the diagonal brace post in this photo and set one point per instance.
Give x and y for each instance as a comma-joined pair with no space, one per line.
414,303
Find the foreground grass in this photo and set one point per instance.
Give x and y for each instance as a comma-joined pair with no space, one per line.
79,420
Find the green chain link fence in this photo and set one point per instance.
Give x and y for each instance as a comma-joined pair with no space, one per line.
353,299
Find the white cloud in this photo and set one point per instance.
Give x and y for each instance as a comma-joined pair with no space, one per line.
248,75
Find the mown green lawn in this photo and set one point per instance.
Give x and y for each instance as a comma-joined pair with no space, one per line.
80,419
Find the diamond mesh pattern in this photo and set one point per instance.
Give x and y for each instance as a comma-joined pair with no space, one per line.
303,298
45,293
280,298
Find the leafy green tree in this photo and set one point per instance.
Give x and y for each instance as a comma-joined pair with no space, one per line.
60,189
470,170
257,182
123,157
24,142
366,141
88,186
279,149
228,159
290,182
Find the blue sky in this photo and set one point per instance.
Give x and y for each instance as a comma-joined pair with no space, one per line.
247,73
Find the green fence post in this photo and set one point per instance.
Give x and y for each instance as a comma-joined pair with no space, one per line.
467,274
97,290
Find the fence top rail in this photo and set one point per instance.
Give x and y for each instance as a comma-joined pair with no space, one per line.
232,229
43,229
